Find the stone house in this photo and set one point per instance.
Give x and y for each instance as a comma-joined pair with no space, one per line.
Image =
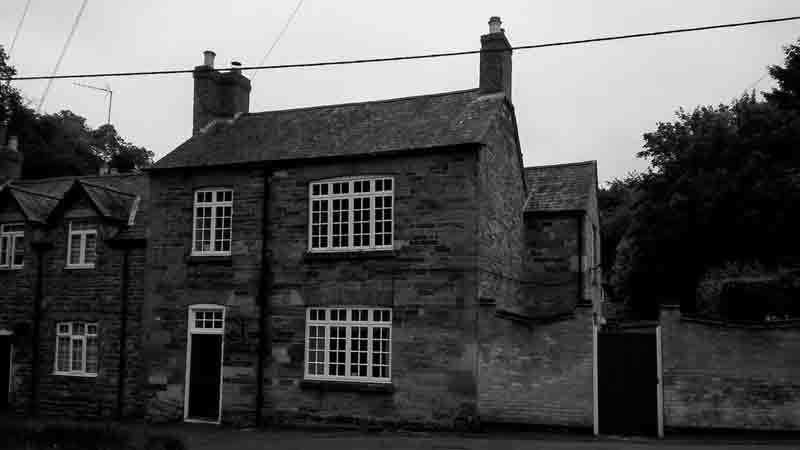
72,262
369,262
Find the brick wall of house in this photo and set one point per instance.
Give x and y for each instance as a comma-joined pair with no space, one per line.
16,312
536,373
430,282
175,281
729,377
552,263
91,295
500,229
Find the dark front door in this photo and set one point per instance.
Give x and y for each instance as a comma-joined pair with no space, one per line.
5,371
204,376
627,383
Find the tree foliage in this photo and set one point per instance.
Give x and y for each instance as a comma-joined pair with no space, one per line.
62,143
722,186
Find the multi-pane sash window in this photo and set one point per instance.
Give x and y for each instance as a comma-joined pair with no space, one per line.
213,216
351,214
12,245
81,244
76,348
349,344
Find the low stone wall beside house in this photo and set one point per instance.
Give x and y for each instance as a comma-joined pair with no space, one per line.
536,373
730,376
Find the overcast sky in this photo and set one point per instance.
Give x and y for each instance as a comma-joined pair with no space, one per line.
573,103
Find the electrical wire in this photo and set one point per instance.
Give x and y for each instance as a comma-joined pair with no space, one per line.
414,57
19,28
61,56
278,38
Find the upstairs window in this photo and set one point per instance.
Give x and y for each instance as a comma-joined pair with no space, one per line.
81,245
213,216
351,214
76,348
12,245
349,344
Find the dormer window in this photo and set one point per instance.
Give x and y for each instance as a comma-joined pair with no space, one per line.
352,214
213,216
81,245
12,245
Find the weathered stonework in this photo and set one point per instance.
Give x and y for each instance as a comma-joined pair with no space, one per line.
176,280
729,377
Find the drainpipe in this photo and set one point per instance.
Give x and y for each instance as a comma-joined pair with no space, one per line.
263,300
581,253
38,295
123,335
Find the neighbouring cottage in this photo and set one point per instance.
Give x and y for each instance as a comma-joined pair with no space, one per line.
72,263
388,261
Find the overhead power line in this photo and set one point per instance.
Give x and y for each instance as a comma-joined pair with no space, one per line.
425,56
280,35
19,28
61,56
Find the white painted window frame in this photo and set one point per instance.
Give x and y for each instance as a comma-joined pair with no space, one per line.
82,235
9,239
83,340
370,324
350,196
213,206
192,329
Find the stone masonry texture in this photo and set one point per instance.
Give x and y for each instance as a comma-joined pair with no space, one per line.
729,377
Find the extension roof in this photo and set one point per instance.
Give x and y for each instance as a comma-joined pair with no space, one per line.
560,187
120,198
426,121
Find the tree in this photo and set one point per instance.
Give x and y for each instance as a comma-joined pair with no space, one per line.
787,94
61,143
719,188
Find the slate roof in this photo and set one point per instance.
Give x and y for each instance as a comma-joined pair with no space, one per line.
560,187
425,121
115,196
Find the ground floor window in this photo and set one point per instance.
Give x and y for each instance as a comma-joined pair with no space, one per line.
348,344
76,348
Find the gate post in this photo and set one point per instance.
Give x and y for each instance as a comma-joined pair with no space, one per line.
660,385
595,424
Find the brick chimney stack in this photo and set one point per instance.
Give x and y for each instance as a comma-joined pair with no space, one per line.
218,95
495,68
10,160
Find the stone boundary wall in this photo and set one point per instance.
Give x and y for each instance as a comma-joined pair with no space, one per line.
728,376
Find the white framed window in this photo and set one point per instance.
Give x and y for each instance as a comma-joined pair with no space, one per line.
213,217
81,245
349,344
351,214
76,349
12,245
207,320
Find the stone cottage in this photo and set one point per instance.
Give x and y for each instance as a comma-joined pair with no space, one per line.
368,262
72,263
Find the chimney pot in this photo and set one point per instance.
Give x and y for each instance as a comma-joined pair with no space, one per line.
494,25
208,58
236,67
13,143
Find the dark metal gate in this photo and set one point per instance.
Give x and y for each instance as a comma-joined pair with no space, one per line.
628,382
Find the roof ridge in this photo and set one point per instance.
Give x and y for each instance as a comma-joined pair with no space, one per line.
28,191
77,177
365,102
88,183
579,163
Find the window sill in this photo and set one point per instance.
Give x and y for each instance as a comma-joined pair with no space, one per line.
78,266
349,254
223,260
10,269
76,374
347,386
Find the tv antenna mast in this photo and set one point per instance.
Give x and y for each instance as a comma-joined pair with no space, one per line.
107,90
